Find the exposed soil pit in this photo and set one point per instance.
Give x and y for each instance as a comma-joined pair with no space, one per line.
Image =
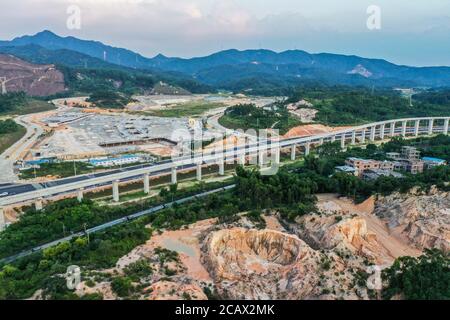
260,264
241,246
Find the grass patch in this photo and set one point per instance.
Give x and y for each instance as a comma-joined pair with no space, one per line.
8,139
66,169
189,109
34,106
248,116
63,170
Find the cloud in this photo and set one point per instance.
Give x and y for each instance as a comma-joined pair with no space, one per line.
197,27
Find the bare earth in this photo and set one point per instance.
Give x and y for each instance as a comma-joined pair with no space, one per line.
310,129
187,244
392,242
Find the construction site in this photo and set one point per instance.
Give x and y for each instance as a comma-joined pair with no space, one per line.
76,135
78,131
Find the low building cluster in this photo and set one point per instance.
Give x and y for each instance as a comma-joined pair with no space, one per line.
407,161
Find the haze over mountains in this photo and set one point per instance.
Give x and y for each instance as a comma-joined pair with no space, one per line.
230,69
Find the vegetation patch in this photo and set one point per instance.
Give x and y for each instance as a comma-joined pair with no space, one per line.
10,133
17,103
424,278
248,116
189,109
351,106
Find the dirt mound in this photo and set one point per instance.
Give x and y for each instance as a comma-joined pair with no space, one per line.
310,129
344,225
423,218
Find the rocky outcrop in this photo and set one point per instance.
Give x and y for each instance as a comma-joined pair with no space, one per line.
352,233
36,80
423,218
341,231
267,264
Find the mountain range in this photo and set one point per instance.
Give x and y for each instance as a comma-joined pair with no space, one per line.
230,69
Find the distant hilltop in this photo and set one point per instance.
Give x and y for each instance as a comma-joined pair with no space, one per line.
234,69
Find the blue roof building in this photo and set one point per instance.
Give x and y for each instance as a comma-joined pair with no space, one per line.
431,162
435,160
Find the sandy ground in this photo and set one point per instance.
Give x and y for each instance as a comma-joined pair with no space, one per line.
272,223
157,149
185,242
310,129
393,242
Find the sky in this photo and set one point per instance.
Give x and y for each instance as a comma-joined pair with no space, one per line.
411,32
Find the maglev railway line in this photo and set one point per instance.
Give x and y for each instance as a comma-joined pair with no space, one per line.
25,193
113,223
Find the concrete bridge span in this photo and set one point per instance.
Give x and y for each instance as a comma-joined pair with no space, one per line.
361,134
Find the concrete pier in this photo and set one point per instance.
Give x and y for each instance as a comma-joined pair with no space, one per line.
372,134
392,133
416,128
80,194
430,127
363,136
382,129
353,137
308,149
146,183
404,124
115,188
446,126
261,159
343,141
222,167
174,175
241,159
277,155
199,172
333,139
293,151
38,204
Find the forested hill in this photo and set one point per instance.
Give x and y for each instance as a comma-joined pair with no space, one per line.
254,69
84,73
349,106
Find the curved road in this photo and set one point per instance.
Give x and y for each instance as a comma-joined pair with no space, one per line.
11,155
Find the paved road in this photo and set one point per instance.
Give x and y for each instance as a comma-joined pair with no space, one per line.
11,155
114,223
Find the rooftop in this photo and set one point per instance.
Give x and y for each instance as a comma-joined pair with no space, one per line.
346,168
431,159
